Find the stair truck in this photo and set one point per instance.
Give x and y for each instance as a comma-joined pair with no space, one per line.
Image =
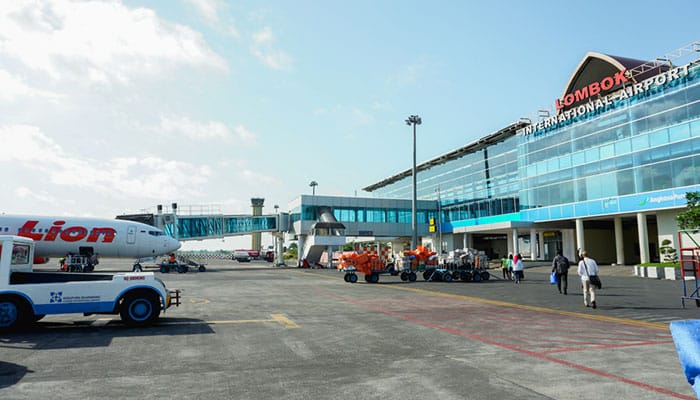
26,295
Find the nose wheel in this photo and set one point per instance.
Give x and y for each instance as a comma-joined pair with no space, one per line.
137,268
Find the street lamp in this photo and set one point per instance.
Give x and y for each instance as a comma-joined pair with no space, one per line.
313,185
414,120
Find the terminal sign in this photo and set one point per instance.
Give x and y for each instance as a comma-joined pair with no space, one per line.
592,89
604,102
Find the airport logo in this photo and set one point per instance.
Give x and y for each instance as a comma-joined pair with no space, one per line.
56,297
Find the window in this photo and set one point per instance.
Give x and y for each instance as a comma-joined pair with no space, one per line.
640,142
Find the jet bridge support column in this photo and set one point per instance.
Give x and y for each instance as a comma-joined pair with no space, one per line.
279,250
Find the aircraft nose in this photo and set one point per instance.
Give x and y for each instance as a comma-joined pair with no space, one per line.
172,244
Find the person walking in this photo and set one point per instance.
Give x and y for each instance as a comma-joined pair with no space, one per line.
505,261
560,266
518,268
586,268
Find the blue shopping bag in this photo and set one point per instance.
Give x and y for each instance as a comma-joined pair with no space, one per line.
686,336
553,278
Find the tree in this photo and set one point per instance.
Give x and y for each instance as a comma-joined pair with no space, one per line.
668,252
690,218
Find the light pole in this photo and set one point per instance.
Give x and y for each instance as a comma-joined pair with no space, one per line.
414,120
313,185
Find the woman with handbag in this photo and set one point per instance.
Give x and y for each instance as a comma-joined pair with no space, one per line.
587,267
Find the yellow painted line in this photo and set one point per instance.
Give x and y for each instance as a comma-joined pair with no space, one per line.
654,325
288,323
236,321
278,318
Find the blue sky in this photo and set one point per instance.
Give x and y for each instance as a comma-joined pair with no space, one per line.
117,106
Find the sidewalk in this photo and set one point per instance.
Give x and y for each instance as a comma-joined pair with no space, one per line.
605,270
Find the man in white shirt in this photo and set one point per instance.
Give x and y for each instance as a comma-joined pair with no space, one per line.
587,267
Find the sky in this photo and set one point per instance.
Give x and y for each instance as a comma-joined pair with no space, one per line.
116,106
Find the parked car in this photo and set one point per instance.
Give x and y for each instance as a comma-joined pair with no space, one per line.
241,256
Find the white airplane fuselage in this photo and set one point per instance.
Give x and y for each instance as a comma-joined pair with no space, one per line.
58,236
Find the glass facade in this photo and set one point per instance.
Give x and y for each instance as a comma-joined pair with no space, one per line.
643,143
646,143
364,214
478,184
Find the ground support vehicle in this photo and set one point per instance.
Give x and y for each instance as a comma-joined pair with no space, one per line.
462,265
371,266
181,265
27,296
73,263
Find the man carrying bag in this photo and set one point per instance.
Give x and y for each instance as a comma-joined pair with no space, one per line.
560,266
588,268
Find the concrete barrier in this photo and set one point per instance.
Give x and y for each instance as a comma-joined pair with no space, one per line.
668,273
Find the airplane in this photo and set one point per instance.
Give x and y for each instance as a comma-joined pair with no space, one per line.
58,236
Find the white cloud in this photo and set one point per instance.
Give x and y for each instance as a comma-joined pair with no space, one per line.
28,148
262,48
28,194
211,130
101,41
13,87
263,37
209,9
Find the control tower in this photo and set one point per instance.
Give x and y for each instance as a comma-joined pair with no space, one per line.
257,204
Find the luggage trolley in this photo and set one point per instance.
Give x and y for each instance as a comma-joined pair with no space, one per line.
371,266
690,261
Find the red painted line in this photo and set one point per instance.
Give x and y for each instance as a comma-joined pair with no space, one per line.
541,356
606,346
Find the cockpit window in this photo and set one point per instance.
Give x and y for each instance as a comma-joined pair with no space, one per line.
156,233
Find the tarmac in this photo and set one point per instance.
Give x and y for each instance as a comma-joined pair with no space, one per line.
254,331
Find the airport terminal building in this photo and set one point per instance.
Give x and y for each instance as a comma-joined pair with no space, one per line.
606,172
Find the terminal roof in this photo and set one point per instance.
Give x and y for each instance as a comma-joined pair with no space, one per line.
477,145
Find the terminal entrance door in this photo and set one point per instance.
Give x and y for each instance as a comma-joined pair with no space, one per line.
552,244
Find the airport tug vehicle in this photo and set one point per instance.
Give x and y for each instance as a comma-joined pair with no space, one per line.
26,295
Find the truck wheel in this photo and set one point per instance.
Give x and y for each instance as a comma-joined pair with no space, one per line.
352,278
139,308
412,277
14,313
202,268
447,277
